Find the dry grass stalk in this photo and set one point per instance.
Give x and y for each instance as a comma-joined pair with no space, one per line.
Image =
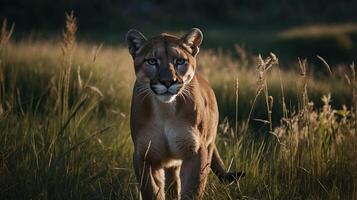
285,111
352,81
272,59
354,92
241,51
237,105
68,47
96,50
270,108
326,64
303,72
5,36
262,69
69,35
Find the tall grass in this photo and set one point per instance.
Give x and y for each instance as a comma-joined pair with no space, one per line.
53,141
64,123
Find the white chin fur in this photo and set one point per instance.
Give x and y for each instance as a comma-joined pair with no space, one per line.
166,98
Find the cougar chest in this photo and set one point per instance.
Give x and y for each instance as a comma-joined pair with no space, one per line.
180,137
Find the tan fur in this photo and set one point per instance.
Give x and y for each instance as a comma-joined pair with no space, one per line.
174,134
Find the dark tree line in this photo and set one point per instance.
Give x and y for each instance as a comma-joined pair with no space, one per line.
48,14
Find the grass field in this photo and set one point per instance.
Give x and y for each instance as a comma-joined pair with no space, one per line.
64,123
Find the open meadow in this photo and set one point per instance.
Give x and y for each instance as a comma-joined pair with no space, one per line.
64,122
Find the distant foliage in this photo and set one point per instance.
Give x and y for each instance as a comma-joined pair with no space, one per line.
49,14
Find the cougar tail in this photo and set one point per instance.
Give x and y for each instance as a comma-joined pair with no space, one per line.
218,169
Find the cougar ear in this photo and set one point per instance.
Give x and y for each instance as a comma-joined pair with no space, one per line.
193,40
135,41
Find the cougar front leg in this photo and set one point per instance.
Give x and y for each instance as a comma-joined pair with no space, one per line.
194,174
172,183
151,180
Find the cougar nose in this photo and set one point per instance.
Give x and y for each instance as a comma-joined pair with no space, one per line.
167,83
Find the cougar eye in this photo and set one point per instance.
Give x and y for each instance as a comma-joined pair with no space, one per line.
151,61
180,61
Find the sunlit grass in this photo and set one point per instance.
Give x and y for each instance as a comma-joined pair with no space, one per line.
319,30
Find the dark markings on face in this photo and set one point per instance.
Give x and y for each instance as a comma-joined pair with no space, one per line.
166,50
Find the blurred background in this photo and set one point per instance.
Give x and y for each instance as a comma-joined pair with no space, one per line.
291,29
